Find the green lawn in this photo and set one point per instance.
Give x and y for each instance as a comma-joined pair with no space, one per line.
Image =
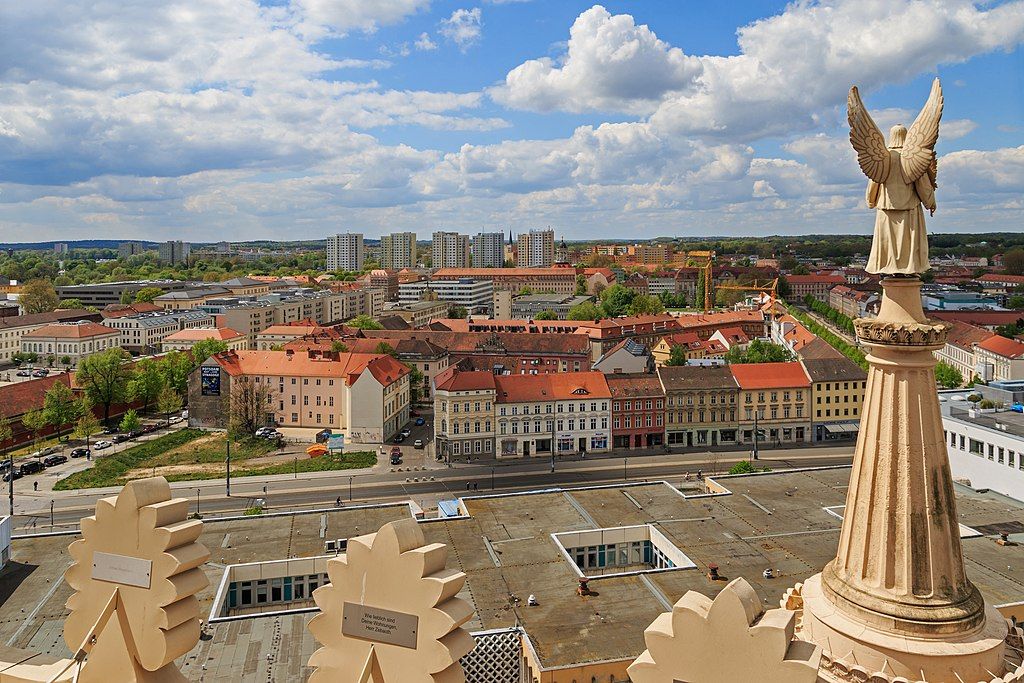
193,454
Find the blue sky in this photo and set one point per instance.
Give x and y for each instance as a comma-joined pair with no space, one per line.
230,119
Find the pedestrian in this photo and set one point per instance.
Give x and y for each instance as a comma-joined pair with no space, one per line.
337,502
35,486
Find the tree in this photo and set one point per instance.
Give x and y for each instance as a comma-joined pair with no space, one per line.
6,431
130,422
364,322
87,424
457,312
1016,301
581,284
169,401
38,296
146,383
947,376
67,304
147,294
546,315
35,421
338,346
758,351
644,304
585,311
60,407
384,348
104,377
676,356
801,270
65,361
415,383
250,402
176,367
204,348
525,291
1013,262
616,300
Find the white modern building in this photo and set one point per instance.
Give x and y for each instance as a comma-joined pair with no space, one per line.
345,252
986,448
449,250
69,343
144,333
398,250
536,249
489,250
475,295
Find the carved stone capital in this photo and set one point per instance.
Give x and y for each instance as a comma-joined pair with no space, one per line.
877,332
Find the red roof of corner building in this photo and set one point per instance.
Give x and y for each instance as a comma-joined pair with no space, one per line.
347,366
386,369
1001,346
966,336
815,279
22,397
1000,278
634,384
201,333
551,387
474,380
607,272
770,375
123,310
734,335
70,331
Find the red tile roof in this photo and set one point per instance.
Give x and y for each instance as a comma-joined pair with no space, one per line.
1001,346
769,375
966,336
201,333
70,331
21,397
465,381
630,385
552,387
815,279
1000,278
346,366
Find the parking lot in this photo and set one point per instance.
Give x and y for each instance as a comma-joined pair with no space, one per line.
412,456
10,375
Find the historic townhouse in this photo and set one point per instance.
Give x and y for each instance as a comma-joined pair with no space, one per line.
959,349
700,405
464,414
570,412
14,327
69,343
638,410
777,397
837,387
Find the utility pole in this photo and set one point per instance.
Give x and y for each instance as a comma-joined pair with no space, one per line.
350,489
625,476
51,514
197,501
228,467
756,430
492,478
10,480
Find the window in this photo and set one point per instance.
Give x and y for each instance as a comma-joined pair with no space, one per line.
976,447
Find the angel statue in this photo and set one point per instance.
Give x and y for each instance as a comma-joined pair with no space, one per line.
901,179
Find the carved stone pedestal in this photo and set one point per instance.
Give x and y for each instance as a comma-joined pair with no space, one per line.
896,600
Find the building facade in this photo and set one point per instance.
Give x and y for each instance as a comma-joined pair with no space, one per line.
817,286
986,448
174,251
346,252
538,280
476,296
464,415
700,406
638,411
449,250
535,249
489,250
14,327
66,344
398,250
144,334
184,340
837,390
774,398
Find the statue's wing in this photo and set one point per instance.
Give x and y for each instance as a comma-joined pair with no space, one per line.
872,154
918,154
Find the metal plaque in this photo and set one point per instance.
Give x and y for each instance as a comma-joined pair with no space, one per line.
122,569
380,625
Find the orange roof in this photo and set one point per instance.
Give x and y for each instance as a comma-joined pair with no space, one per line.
201,333
1001,278
1001,346
815,279
293,329
466,381
346,366
769,375
448,273
386,369
70,331
551,387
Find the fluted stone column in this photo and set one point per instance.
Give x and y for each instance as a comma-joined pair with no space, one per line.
896,598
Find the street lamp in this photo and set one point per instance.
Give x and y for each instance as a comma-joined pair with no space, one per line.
51,514
350,489
197,502
492,478
625,475
227,463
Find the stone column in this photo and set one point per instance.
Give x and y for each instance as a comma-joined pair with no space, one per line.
896,598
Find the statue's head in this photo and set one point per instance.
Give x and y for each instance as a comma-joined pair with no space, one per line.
897,135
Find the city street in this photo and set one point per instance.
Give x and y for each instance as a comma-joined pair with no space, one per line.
425,487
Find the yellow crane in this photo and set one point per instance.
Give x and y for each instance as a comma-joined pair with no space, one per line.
769,288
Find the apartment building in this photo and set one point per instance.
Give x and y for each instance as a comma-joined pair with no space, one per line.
986,449
817,286
489,250
345,252
837,388
188,299
365,396
464,423
853,303
1000,359
959,349
777,397
420,313
66,344
449,250
174,251
144,333
398,250
14,327
476,296
691,346
638,410
384,280
128,249
530,306
700,406
184,340
535,249
539,280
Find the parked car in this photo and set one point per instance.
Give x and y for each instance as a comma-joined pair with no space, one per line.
420,421
399,438
175,420
41,372
135,434
119,438
52,460
109,430
396,459
406,432
45,451
24,373
80,453
418,443
149,429
100,445
31,467
14,474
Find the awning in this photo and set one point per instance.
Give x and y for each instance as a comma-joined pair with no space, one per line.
842,429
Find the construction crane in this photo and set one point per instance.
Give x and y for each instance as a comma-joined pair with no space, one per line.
769,288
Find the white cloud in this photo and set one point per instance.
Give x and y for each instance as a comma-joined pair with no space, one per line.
464,27
341,16
424,43
611,64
